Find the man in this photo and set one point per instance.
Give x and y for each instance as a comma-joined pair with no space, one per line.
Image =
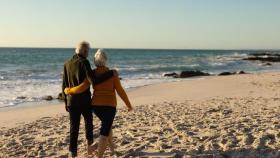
76,70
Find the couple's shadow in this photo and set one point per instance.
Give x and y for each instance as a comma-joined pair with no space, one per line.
235,153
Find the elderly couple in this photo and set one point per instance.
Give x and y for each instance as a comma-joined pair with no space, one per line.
77,78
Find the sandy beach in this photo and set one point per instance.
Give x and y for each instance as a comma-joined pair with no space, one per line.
218,116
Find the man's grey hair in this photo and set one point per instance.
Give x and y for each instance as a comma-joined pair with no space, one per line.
81,45
100,58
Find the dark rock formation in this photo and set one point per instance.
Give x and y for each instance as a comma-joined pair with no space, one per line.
265,54
226,73
241,72
185,74
264,57
60,97
175,75
266,64
231,73
21,97
48,98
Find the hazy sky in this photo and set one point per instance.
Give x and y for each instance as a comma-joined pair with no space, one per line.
181,24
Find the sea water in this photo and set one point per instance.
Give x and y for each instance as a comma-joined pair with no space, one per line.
29,74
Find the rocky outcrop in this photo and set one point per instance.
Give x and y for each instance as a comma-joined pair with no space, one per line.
60,97
225,73
241,72
266,64
231,73
186,74
21,97
264,57
173,74
48,98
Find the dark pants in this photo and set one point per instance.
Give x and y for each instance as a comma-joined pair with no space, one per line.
75,115
106,114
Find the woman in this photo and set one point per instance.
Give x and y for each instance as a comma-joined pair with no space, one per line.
104,100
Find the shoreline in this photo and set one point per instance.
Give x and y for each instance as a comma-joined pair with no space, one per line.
151,81
56,101
154,92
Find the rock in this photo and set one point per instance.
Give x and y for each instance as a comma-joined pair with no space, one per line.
231,73
48,98
21,97
185,74
226,73
264,54
174,74
264,57
60,97
266,64
241,72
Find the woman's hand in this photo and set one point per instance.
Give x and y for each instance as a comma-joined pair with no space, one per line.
67,91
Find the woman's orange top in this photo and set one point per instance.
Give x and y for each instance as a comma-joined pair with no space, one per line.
105,92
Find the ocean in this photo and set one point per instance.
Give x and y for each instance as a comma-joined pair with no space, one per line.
29,74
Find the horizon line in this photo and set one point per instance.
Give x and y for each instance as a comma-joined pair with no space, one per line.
254,49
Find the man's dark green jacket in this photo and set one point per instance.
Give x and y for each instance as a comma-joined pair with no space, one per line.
76,70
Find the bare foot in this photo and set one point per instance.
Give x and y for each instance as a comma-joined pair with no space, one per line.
112,149
112,153
92,148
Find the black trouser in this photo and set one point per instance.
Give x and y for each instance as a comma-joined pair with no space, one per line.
75,113
106,114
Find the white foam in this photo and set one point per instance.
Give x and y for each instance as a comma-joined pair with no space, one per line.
217,64
20,91
231,57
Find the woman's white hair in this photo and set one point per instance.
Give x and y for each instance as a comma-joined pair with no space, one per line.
81,46
100,58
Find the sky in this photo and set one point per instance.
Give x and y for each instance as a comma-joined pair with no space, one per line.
158,24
